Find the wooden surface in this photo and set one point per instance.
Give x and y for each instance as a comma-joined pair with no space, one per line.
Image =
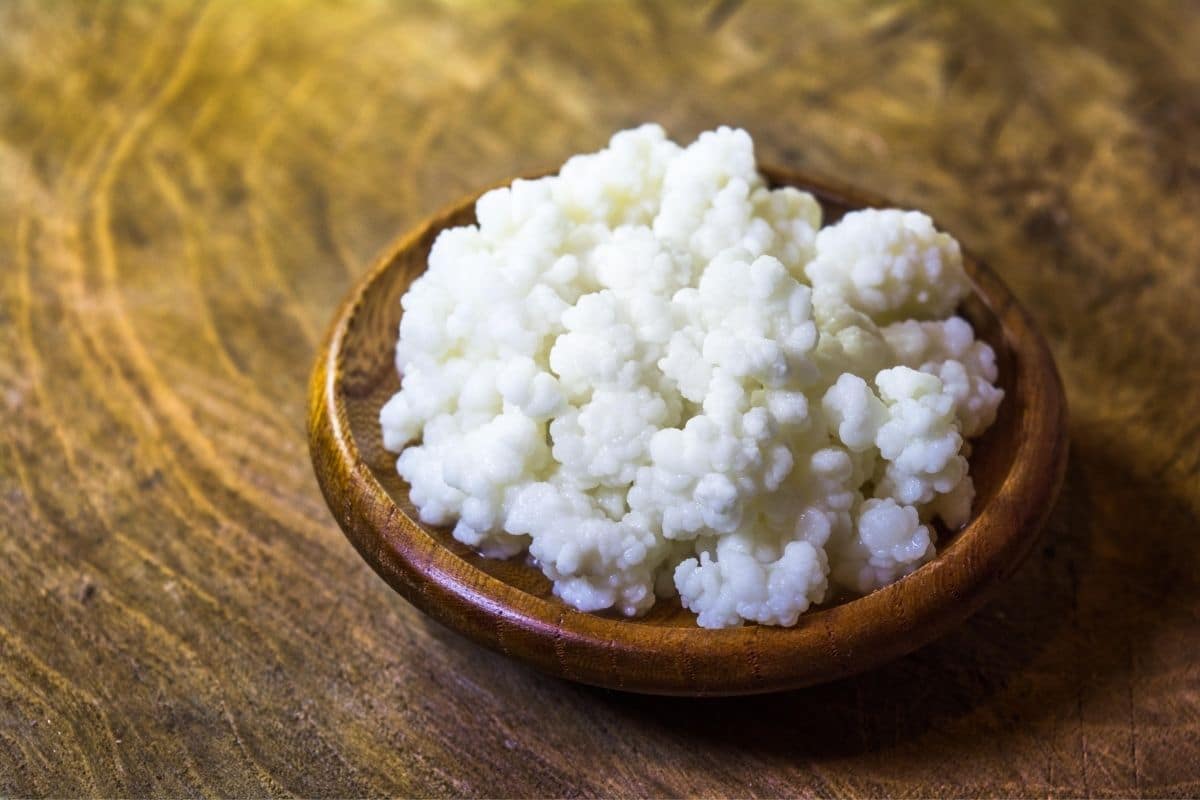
1017,468
186,191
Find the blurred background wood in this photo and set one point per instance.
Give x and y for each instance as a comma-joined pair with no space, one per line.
186,191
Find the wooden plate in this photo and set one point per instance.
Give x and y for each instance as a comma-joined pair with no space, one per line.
507,605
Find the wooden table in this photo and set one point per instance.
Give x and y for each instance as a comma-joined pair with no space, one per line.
186,191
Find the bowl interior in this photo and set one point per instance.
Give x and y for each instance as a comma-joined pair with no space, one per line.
368,378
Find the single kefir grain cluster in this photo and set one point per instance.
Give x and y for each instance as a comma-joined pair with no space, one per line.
660,377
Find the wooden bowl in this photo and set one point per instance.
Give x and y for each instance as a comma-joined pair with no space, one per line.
507,605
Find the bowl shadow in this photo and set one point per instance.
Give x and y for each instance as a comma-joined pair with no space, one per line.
1066,623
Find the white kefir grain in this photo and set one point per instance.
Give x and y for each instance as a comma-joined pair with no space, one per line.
659,377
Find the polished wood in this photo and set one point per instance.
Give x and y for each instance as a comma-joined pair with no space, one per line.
507,605
187,192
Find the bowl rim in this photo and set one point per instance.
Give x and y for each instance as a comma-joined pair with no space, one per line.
825,644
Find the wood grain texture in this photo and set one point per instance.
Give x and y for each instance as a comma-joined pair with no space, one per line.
186,192
508,605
